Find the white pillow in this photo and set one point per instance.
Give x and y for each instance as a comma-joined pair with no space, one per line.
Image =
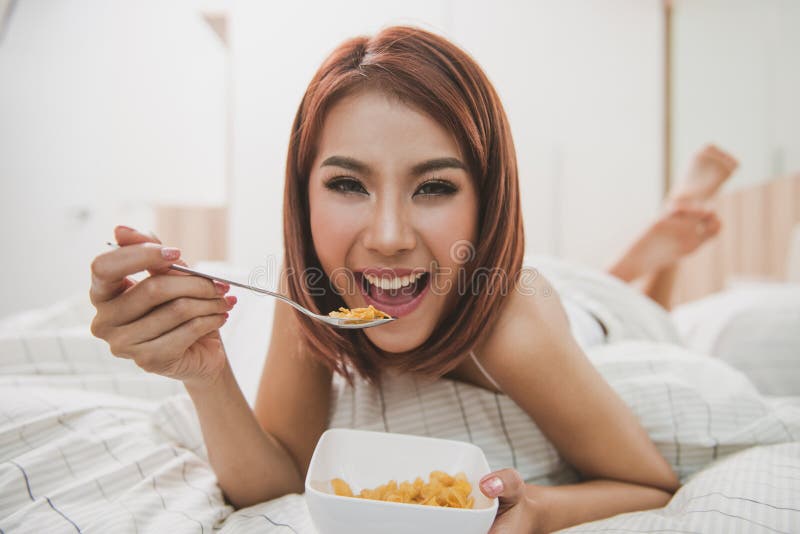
53,346
754,327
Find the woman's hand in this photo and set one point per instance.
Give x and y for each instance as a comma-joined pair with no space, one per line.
517,513
167,323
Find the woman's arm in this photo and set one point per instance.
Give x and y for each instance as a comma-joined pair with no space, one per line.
563,506
533,356
263,453
294,395
539,509
251,466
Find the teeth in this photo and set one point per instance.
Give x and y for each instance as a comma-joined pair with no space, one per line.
393,283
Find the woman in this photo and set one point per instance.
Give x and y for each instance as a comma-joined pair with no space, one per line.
400,159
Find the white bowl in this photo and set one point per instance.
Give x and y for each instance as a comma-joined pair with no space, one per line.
368,459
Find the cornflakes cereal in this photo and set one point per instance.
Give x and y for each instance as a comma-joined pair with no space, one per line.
441,490
370,313
340,487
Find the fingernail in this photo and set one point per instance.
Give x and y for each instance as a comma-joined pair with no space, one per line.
221,287
492,487
231,300
226,315
170,253
126,228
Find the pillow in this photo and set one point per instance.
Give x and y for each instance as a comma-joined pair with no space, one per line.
755,327
53,347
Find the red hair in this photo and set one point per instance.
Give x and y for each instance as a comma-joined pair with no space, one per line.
430,73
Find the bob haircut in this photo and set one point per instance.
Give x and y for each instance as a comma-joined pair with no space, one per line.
431,74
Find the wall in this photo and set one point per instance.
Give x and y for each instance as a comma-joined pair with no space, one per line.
107,107
582,83
736,81
582,86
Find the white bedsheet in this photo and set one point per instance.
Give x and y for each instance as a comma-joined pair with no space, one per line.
88,443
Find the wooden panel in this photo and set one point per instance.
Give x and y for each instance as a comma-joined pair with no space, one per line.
201,232
728,211
753,237
757,229
783,208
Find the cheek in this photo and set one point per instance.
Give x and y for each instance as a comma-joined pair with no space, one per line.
450,233
333,229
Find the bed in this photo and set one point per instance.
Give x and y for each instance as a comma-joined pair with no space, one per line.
90,443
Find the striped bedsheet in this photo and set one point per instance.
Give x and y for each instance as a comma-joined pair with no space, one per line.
89,443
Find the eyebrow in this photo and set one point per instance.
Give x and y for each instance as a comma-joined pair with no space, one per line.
418,169
436,165
346,163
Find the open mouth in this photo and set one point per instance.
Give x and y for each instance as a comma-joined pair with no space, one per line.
395,295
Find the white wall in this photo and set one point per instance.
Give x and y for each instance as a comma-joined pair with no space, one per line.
736,82
110,106
106,107
581,84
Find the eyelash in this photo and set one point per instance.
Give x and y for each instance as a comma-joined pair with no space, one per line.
338,183
346,185
445,187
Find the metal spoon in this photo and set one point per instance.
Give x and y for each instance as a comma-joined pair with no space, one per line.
333,321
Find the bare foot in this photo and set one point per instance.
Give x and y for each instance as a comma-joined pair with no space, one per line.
678,232
709,169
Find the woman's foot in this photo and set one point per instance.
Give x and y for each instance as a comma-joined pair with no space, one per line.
709,169
678,232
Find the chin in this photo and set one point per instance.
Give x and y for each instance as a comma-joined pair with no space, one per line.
396,338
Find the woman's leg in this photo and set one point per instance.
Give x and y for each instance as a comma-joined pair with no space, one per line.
709,169
680,229
658,285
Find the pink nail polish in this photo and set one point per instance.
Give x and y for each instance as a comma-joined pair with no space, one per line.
126,228
492,486
170,253
221,287
231,300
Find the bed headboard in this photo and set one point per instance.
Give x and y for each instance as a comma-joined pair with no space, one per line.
756,240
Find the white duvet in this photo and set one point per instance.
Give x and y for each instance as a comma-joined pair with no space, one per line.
89,443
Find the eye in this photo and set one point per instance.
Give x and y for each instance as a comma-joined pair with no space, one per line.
436,187
345,185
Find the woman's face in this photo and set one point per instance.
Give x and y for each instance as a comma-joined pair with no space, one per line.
391,200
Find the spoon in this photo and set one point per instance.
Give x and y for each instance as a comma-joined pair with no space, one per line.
333,321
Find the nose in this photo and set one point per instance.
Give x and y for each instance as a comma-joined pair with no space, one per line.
390,231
